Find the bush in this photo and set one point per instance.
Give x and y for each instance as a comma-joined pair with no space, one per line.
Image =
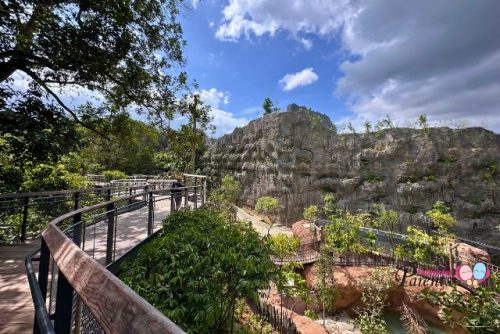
44,177
110,175
198,267
311,213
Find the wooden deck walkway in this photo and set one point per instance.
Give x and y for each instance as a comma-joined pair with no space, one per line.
16,306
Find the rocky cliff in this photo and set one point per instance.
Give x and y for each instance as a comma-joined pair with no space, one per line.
298,155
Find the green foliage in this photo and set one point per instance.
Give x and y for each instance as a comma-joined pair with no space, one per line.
168,162
330,207
228,192
429,178
269,107
440,217
421,247
125,51
110,175
311,314
422,122
267,205
326,290
373,179
311,213
384,123
283,245
491,170
475,312
368,126
130,147
374,297
342,234
450,159
44,177
198,267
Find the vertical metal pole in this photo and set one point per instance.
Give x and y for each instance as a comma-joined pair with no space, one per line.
77,229
195,193
25,219
130,194
111,232
108,196
204,198
76,199
43,275
151,214
186,198
64,305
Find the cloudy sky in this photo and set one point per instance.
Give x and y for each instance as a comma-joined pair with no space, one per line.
352,60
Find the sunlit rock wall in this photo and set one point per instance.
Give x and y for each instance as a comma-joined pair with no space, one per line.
297,155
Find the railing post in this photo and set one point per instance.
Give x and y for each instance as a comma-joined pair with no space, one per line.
110,208
76,199
130,194
151,213
204,198
25,219
77,229
109,195
43,275
195,193
64,305
186,198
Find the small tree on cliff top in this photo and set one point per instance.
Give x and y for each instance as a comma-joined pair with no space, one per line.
267,206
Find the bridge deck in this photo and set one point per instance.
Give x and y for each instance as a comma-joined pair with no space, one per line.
16,306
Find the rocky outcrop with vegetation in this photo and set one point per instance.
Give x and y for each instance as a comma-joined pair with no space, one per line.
297,155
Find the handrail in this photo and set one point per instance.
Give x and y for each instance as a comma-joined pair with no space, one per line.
61,192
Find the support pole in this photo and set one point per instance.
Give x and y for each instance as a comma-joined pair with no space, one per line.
151,213
25,219
111,232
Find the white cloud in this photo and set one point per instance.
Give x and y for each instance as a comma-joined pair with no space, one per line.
403,58
213,97
224,121
302,78
307,43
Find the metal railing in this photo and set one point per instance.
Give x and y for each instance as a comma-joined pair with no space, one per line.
74,292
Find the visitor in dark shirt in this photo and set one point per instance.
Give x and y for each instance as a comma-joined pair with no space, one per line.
177,193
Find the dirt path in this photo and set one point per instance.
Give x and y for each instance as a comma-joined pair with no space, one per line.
260,225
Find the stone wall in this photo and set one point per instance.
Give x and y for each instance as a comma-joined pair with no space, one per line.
297,155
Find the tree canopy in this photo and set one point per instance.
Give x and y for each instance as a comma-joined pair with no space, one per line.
126,51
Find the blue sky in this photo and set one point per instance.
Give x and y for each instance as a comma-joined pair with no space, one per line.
359,60
249,70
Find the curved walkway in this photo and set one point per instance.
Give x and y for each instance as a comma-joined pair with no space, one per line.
16,306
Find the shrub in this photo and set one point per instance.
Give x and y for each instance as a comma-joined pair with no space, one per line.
198,267
44,177
110,175
311,213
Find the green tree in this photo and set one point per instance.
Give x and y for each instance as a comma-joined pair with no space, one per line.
440,217
386,220
350,127
368,126
422,122
374,297
124,51
198,267
326,290
311,213
343,234
130,147
228,192
198,115
269,107
330,206
267,205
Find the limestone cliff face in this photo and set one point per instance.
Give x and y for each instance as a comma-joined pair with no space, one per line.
297,155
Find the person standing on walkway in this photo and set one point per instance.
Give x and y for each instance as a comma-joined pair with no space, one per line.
177,193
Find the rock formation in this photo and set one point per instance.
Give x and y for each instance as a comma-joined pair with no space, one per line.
298,155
